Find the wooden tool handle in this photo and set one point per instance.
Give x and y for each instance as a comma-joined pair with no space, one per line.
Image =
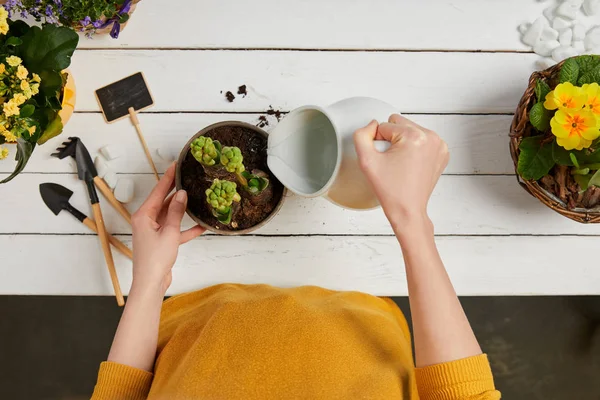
107,192
136,123
126,251
107,253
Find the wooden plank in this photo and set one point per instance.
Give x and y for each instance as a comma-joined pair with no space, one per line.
73,265
317,24
478,143
461,205
413,82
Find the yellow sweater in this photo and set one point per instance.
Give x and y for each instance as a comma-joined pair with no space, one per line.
260,342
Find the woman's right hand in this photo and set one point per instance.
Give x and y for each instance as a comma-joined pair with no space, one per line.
404,176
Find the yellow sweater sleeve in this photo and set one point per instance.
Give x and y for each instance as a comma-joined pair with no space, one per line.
121,382
467,379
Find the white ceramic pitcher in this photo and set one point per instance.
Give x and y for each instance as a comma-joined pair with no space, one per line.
311,151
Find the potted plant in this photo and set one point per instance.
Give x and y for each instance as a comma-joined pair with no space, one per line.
230,188
91,17
36,92
555,138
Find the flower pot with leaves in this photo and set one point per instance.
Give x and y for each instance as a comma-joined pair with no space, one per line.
555,138
36,93
91,17
224,196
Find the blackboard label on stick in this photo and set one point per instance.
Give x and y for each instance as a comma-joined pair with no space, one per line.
116,98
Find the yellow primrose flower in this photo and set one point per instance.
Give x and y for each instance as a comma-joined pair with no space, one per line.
28,93
13,61
565,97
24,85
575,130
3,153
36,78
19,98
11,108
22,72
2,68
3,27
9,136
31,130
3,14
35,88
593,98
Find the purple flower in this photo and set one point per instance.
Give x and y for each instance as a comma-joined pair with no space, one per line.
97,23
86,21
49,11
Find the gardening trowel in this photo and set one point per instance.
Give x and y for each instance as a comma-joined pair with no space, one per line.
86,171
57,198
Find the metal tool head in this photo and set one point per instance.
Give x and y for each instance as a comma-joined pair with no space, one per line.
75,148
55,196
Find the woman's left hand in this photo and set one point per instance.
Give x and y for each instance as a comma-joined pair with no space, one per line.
157,235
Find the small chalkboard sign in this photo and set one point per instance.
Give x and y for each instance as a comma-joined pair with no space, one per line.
117,98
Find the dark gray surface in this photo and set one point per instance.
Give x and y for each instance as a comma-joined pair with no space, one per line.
540,347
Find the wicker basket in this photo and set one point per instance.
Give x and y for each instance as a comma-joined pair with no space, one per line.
521,128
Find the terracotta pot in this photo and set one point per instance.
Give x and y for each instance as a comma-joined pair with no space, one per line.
179,185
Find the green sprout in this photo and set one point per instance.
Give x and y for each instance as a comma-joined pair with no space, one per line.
220,198
206,150
256,184
232,160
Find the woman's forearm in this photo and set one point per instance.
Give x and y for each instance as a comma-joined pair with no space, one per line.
137,335
442,332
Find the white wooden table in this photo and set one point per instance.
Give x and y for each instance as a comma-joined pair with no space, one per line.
454,66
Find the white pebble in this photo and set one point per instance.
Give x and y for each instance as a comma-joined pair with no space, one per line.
591,7
101,166
165,154
544,63
592,39
111,152
578,32
575,3
567,10
524,27
125,190
595,51
549,13
533,34
549,34
111,179
560,23
579,46
545,48
563,52
566,37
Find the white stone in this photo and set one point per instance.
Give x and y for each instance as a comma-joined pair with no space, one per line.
567,10
565,37
544,63
111,152
549,34
545,48
524,27
101,166
591,7
125,190
549,13
166,154
595,51
579,46
575,3
533,34
560,23
111,179
592,39
563,52
578,32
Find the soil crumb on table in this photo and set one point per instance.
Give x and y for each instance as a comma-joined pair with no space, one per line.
195,181
262,121
230,97
242,90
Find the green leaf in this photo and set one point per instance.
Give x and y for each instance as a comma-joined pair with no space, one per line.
225,216
595,180
27,110
51,84
586,63
24,151
13,41
574,160
582,171
583,181
535,160
2,139
592,167
590,77
540,117
569,71
584,157
49,48
54,128
541,90
123,18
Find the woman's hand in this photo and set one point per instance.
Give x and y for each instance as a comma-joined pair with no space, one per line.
157,235
404,176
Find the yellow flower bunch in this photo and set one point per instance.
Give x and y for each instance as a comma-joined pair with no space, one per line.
3,21
576,123
3,153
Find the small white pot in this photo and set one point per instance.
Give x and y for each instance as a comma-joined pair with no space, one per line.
311,151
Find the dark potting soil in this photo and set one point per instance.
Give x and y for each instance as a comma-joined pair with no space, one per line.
242,90
262,121
230,97
196,182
